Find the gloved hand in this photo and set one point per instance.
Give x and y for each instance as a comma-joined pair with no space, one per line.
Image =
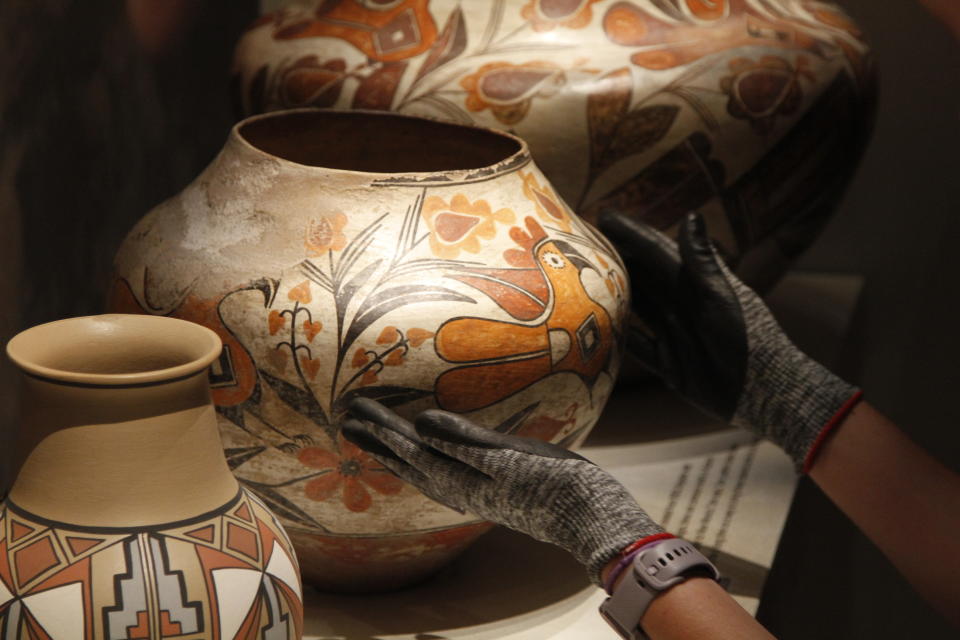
534,487
713,340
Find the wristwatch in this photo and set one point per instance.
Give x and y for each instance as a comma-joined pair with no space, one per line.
653,571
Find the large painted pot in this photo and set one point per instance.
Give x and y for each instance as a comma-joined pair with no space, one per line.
755,112
124,520
423,264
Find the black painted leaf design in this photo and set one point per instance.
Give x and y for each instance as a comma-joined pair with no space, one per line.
389,395
234,414
299,399
514,422
607,104
238,455
450,44
281,506
638,131
387,300
346,292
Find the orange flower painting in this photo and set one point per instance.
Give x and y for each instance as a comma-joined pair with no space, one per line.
549,207
325,234
349,473
761,91
460,225
508,89
547,15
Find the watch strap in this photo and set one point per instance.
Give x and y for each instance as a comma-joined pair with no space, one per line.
654,570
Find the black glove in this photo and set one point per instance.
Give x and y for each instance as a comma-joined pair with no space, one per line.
534,487
713,340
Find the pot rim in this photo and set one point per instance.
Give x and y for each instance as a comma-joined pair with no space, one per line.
505,165
204,347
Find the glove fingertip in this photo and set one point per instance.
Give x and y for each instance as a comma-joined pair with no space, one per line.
611,222
696,247
356,432
439,423
693,230
626,230
362,405
373,411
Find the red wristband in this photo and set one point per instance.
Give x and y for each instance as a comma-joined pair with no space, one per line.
828,428
627,555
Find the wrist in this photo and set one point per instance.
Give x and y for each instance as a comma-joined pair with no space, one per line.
791,399
654,568
613,572
828,429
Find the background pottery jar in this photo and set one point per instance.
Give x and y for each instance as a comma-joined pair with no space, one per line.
755,112
423,264
124,520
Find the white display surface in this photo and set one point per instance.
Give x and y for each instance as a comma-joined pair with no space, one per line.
712,485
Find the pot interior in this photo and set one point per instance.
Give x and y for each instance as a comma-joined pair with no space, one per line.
100,347
376,142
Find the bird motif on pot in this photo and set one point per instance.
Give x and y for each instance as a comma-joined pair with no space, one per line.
559,327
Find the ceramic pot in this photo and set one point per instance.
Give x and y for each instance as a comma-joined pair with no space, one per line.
423,264
755,112
124,520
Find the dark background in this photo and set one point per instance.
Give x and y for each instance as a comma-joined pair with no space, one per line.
96,129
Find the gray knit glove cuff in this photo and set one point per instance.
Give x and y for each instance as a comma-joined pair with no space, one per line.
713,339
787,396
534,487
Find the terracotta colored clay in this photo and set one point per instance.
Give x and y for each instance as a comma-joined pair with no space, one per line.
346,254
752,111
124,520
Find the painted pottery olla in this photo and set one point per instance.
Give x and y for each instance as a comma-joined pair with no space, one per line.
124,520
420,263
754,112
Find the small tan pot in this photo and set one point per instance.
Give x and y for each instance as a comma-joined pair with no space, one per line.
124,519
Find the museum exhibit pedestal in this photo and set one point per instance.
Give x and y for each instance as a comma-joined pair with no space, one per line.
700,479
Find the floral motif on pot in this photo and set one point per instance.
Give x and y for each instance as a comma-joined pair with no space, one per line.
762,90
546,15
325,234
636,104
311,83
508,89
549,207
385,31
460,225
477,291
347,475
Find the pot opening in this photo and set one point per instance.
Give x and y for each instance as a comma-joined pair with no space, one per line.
114,349
376,142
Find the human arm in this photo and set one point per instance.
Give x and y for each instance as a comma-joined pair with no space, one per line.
714,341
699,609
548,493
903,499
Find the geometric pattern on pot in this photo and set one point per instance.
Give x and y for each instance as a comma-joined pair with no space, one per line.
662,105
229,573
485,296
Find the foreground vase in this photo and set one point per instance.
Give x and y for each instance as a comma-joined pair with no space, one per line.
124,520
755,112
423,264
